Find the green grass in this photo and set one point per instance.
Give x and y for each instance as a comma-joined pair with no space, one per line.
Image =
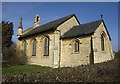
24,69
99,72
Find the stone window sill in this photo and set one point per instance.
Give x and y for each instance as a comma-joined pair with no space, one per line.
45,56
33,55
75,52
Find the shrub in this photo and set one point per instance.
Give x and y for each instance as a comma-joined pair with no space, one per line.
9,55
12,57
21,57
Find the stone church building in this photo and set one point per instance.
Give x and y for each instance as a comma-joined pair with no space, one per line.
65,42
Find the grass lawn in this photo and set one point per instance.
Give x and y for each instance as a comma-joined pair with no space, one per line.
99,72
24,69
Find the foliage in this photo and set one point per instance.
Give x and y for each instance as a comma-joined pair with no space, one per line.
21,57
10,54
7,32
100,72
12,57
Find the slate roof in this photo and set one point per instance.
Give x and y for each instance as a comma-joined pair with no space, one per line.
80,30
30,28
84,29
47,27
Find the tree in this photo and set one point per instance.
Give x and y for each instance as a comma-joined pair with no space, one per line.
7,32
10,55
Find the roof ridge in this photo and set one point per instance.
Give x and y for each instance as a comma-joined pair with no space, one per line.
48,26
53,20
32,28
93,21
27,29
83,29
89,22
58,19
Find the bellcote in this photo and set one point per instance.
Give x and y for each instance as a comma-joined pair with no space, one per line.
37,21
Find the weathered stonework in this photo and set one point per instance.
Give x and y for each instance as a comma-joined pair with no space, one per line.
39,59
71,58
99,55
67,25
61,51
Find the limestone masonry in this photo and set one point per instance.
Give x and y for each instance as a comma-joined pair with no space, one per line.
65,42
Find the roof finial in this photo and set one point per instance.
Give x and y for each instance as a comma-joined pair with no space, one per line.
101,16
20,25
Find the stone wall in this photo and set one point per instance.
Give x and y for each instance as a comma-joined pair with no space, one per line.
61,52
54,54
71,58
39,59
67,25
99,55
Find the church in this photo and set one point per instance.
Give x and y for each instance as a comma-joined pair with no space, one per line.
65,42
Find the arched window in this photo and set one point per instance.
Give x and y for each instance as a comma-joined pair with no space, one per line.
76,49
46,46
102,42
25,46
34,48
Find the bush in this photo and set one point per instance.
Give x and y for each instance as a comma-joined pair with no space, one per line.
9,55
21,57
12,57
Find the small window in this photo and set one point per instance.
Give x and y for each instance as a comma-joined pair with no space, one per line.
76,49
34,48
102,42
37,18
46,46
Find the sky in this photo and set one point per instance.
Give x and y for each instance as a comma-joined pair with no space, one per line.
49,11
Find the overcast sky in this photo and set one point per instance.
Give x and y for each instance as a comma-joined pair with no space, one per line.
49,11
